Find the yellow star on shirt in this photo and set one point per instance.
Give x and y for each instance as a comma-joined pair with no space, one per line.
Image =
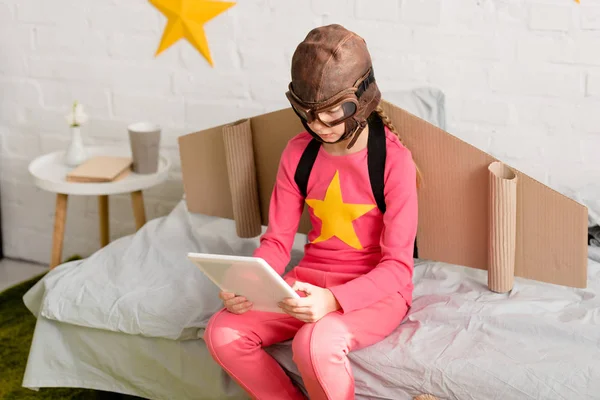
186,19
337,216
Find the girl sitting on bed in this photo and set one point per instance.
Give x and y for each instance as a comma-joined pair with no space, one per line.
356,273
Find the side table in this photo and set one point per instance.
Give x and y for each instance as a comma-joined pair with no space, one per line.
49,172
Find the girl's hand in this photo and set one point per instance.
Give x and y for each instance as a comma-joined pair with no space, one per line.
235,304
317,303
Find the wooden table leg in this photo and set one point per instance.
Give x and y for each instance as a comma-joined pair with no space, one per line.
104,224
137,201
60,217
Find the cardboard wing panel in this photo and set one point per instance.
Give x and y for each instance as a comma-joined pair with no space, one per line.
551,235
204,173
551,229
453,200
453,209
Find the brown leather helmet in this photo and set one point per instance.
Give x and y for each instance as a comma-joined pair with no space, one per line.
332,67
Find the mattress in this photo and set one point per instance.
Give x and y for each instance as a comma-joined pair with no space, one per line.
65,355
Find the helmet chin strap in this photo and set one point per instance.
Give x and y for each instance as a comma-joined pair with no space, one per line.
360,127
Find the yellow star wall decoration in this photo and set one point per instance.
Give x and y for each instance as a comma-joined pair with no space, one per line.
185,19
337,216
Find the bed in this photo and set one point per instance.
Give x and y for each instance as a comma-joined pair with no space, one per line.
131,317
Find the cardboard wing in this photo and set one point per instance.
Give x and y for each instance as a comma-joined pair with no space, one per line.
474,211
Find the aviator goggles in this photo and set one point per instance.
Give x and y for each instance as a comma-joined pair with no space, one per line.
337,108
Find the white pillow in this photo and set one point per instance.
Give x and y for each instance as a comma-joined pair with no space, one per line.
426,103
144,284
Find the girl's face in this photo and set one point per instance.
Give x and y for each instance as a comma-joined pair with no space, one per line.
329,134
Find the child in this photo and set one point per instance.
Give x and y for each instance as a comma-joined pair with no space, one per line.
356,273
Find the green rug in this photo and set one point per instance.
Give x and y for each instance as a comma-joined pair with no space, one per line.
16,331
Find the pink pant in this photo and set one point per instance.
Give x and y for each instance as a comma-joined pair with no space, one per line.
319,349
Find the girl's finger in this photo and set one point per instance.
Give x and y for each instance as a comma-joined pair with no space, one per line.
226,295
291,314
302,302
302,287
303,310
246,309
241,306
238,306
241,311
300,316
298,310
235,300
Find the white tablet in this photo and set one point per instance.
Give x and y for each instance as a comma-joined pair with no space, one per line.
250,277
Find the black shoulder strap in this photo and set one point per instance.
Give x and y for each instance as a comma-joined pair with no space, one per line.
376,160
376,147
305,165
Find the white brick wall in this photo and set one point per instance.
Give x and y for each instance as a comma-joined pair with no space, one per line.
426,12
593,84
543,81
590,19
521,78
385,10
551,17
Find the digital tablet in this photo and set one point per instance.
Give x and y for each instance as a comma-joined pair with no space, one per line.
250,277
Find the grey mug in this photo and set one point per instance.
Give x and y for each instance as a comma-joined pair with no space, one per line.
144,139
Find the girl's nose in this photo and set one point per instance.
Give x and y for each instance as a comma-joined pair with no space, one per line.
316,125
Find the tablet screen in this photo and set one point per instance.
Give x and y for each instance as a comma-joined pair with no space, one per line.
250,277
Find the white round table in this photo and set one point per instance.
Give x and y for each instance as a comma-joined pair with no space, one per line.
49,173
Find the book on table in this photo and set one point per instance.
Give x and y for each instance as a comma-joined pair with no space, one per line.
100,169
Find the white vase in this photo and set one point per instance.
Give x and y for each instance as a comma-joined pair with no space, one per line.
76,152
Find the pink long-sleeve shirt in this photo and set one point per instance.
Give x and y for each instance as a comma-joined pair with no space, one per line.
354,250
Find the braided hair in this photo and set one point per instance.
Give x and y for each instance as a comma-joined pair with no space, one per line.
388,122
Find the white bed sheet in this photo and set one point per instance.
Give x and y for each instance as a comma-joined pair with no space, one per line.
461,341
